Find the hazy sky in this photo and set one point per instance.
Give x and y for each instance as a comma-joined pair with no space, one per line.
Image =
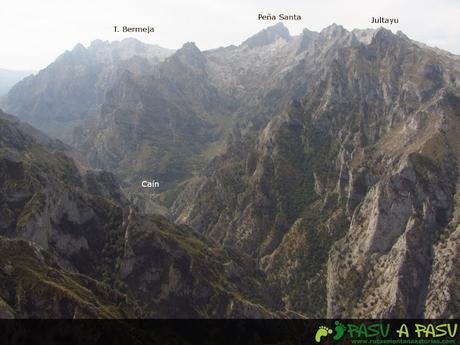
34,33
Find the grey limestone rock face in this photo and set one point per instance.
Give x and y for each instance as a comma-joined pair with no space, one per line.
72,246
70,91
328,162
348,196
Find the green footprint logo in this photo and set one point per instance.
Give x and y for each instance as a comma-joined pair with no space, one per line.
339,331
322,332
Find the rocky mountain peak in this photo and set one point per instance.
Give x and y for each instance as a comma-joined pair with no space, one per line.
268,36
189,48
306,38
77,52
79,48
333,31
382,33
190,55
92,72
335,170
401,34
97,44
336,36
133,44
273,194
364,36
383,39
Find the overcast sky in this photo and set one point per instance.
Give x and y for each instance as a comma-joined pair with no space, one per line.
34,33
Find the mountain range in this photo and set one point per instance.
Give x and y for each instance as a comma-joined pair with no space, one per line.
300,176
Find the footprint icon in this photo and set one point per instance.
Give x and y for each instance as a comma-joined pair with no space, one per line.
322,332
339,330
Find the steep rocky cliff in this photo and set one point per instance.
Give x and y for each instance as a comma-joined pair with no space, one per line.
71,89
347,195
82,232
34,285
177,273
328,162
172,115
179,114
